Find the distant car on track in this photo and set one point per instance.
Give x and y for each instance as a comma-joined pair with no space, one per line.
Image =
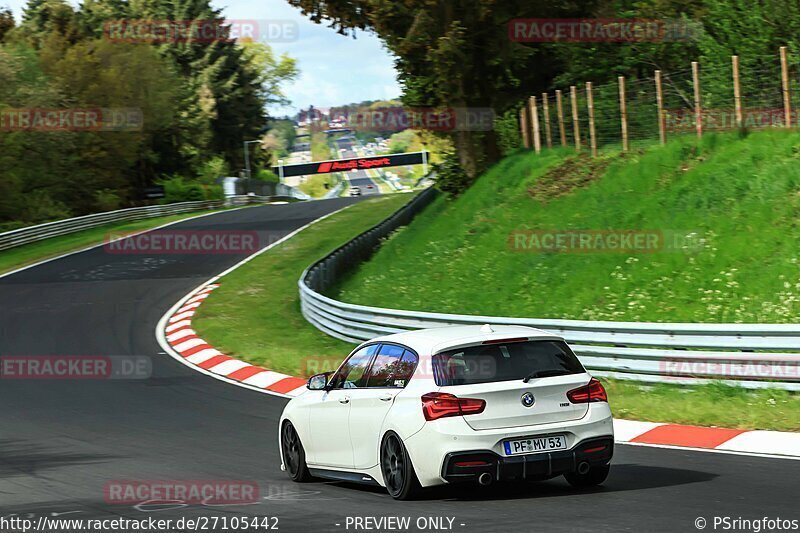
452,404
355,191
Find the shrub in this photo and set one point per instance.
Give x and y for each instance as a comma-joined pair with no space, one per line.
176,189
40,207
107,200
211,170
451,176
266,175
508,135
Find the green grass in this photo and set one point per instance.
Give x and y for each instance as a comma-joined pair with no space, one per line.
38,251
737,198
255,313
707,405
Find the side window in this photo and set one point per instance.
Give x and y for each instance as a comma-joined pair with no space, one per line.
351,375
393,367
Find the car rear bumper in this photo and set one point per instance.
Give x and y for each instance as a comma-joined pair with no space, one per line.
437,440
469,466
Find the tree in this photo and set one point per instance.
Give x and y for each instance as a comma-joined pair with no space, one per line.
198,100
93,74
273,72
44,19
7,22
224,94
34,166
456,54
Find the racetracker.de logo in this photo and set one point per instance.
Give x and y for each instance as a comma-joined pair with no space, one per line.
755,369
208,492
82,367
601,30
182,242
589,241
398,118
586,241
684,120
73,120
203,31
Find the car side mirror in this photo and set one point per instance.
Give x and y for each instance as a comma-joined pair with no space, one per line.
318,382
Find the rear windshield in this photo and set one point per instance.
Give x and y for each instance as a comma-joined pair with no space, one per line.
504,362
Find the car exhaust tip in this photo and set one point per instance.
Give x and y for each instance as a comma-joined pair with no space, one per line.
485,479
583,468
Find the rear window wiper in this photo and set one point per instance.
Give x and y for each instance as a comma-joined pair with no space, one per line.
545,374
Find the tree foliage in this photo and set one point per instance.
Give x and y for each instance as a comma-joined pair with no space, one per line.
199,101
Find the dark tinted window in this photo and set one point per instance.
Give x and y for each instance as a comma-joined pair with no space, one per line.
393,367
504,362
352,374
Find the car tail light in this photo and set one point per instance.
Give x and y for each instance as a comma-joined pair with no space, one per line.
595,449
437,405
593,392
472,463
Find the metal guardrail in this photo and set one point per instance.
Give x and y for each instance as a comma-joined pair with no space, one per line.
750,355
335,192
18,237
292,192
27,235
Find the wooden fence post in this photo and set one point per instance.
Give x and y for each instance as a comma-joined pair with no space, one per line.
662,133
537,138
523,124
787,97
698,110
623,113
546,112
737,92
560,112
590,106
576,128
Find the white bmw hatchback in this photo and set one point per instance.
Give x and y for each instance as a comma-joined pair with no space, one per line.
451,404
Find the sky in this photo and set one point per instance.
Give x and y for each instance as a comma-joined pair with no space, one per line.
334,69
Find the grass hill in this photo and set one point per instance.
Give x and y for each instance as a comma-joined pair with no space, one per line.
721,212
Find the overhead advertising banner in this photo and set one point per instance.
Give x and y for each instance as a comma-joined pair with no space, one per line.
357,163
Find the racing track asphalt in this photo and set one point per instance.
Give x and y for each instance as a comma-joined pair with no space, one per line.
357,178
61,441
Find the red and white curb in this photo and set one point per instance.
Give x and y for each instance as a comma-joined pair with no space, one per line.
198,353
737,441
176,336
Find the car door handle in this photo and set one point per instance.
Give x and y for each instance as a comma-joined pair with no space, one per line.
386,397
346,399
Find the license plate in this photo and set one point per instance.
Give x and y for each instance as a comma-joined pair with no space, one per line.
535,445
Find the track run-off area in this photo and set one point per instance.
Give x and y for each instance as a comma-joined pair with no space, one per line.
63,441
